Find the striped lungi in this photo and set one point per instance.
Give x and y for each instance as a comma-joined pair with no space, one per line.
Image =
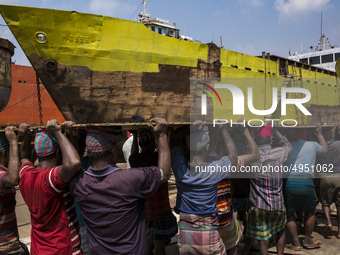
198,234
263,224
231,233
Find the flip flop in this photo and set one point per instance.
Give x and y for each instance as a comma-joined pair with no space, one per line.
316,244
328,231
293,247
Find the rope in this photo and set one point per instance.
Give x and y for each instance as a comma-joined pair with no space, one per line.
39,100
133,14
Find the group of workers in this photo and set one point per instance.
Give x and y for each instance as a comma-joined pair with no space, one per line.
81,202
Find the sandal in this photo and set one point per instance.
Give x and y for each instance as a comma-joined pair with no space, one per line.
293,247
328,231
316,244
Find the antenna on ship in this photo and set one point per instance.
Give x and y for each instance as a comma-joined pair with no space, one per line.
323,41
322,37
144,15
321,25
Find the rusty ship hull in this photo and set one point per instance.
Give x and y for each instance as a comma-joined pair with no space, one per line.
100,69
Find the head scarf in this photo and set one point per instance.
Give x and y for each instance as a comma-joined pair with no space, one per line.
4,144
198,140
45,144
266,131
102,139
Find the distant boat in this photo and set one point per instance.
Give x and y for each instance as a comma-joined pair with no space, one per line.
101,69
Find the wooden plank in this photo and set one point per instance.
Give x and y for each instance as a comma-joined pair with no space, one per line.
134,126
125,126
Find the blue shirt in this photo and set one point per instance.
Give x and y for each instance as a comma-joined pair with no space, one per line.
301,160
197,188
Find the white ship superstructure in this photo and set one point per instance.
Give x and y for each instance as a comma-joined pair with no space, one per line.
324,55
323,58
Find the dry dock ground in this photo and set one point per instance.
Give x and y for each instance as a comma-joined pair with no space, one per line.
330,246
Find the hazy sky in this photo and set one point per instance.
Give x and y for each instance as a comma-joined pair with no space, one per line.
247,26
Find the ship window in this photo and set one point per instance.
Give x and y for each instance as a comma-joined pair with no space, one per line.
152,28
177,34
159,30
304,60
327,58
282,71
337,55
314,60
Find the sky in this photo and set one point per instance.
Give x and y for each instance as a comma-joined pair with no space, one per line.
246,26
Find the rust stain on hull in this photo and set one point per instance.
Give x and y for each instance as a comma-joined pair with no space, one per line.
83,95
328,114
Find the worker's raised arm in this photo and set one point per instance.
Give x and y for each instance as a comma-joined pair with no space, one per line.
254,154
230,146
322,141
164,161
71,161
11,178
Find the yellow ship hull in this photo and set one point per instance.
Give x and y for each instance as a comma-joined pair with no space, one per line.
104,69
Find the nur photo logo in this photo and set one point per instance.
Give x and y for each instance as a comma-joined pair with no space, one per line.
241,98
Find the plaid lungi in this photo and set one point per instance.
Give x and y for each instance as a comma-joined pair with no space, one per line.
163,228
231,233
198,234
263,224
84,240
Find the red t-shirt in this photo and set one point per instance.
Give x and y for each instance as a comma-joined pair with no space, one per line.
55,228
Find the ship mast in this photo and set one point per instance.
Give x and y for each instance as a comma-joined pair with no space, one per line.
144,15
322,37
323,40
